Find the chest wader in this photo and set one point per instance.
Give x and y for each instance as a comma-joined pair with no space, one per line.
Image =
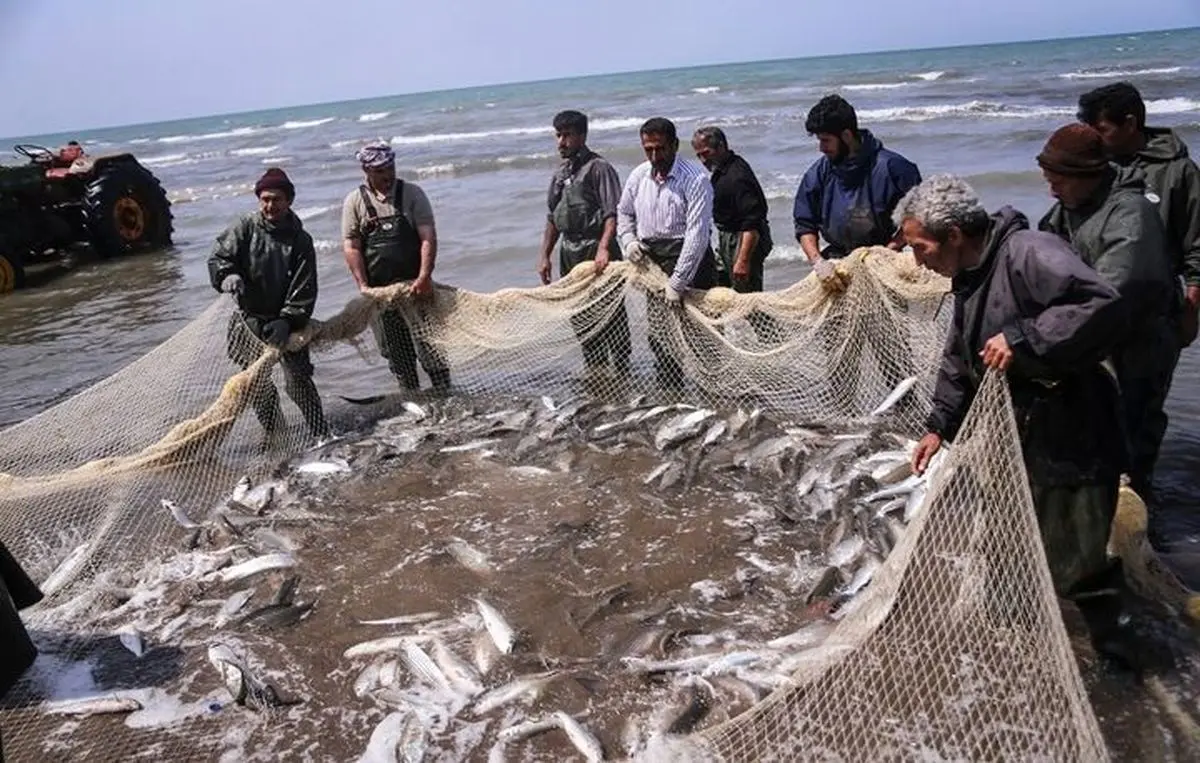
392,250
669,334
603,326
244,344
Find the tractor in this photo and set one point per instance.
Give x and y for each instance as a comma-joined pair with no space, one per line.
63,199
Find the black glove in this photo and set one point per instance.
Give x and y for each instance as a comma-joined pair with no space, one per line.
276,332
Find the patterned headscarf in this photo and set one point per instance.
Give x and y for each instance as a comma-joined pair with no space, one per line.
376,155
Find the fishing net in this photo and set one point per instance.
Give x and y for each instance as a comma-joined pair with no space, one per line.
954,651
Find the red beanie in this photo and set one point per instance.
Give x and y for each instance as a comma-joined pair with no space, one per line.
1075,149
275,179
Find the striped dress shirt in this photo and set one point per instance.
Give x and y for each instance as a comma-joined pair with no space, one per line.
677,207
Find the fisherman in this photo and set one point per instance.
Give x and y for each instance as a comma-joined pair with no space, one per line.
1172,180
665,216
267,262
389,236
739,212
1026,305
847,196
1104,215
583,200
17,592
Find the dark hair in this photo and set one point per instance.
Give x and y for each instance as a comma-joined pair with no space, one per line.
1112,103
713,137
831,116
660,126
571,121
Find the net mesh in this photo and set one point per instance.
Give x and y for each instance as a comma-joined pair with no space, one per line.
954,651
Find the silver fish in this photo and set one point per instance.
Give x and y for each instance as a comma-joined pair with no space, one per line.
520,731
671,476
714,433
584,741
916,499
894,396
421,666
473,445
420,617
484,652
699,702
131,639
862,576
681,427
468,556
180,516
903,488
730,661
265,563
529,471
823,585
368,678
415,410
241,489
807,635
374,647
245,688
847,550
657,472
461,675
399,737
497,627
173,626
323,468
98,705
548,404
524,686
65,571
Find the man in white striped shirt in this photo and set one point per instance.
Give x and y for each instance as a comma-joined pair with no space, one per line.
665,215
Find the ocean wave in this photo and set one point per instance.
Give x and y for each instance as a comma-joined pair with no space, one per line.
1172,105
876,86
986,109
307,213
706,90
1117,73
253,151
188,138
300,123
930,76
164,160
373,116
438,137
478,166
275,159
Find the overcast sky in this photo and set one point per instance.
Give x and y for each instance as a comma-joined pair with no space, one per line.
74,64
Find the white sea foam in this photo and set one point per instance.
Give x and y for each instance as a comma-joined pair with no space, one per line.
706,90
930,76
876,86
597,125
373,116
1172,105
253,151
300,123
188,138
970,109
1118,73
307,213
164,160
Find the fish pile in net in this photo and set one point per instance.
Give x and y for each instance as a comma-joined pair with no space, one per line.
941,640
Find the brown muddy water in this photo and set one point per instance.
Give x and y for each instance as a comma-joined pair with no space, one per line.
588,563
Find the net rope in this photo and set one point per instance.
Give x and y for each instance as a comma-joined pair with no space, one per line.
955,651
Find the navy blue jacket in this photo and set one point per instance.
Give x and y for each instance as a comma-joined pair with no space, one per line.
850,203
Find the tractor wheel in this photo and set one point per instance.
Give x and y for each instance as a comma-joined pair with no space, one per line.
127,210
12,269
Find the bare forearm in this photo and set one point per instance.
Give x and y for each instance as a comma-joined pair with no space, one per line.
810,245
549,239
606,235
747,244
355,262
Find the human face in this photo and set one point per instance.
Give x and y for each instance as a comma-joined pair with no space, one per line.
835,147
381,178
942,257
1120,138
274,204
1074,191
569,142
710,157
660,151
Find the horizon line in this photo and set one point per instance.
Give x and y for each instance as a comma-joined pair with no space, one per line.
595,75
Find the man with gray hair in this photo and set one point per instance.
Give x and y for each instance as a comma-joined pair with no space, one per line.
1026,305
739,212
389,236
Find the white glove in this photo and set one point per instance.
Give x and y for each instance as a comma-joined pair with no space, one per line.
635,252
828,275
674,298
233,284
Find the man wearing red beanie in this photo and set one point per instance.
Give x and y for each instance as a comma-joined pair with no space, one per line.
267,262
1103,213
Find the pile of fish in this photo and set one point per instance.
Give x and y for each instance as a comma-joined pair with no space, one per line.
810,513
